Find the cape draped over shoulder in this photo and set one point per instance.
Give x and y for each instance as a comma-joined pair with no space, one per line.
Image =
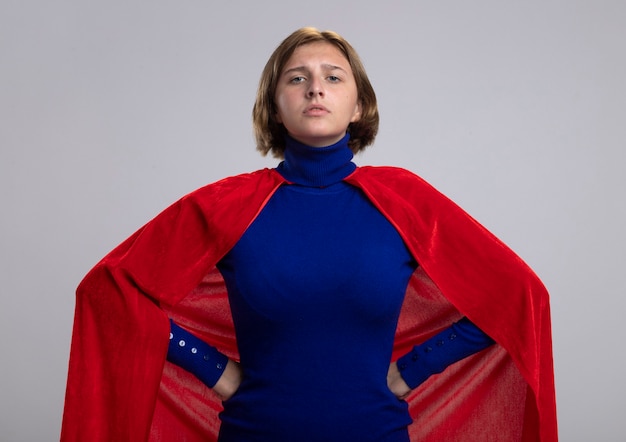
120,387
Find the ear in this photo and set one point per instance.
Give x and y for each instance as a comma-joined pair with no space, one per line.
356,116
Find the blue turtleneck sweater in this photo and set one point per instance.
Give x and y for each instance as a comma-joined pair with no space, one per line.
315,286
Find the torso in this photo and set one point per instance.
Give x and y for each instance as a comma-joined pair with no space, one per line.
315,285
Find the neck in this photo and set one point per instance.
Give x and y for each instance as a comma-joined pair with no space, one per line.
316,166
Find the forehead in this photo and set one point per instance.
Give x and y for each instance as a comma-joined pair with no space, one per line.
316,53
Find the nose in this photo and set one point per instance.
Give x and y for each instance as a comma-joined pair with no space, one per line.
315,89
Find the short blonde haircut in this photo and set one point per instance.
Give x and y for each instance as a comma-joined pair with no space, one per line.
270,133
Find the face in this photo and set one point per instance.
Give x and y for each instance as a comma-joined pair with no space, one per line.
316,95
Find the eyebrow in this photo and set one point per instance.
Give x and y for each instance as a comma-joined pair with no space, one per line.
328,67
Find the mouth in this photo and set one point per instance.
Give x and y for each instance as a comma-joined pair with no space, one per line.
316,109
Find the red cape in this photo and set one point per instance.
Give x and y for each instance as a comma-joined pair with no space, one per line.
120,388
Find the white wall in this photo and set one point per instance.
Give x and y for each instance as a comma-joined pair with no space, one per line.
111,110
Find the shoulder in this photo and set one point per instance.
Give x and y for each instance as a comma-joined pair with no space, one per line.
398,186
236,181
390,177
242,183
385,172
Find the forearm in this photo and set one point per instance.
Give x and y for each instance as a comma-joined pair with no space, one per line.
460,340
196,356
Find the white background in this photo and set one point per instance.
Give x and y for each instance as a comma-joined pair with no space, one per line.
111,110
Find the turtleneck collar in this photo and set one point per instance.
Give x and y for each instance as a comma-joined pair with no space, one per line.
316,166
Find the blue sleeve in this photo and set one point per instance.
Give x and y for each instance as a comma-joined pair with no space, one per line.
460,340
195,355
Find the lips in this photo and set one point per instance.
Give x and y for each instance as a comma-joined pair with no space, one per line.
316,109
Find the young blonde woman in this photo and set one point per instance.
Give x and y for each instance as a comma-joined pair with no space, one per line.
316,301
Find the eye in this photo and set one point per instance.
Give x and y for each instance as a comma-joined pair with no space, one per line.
333,79
297,80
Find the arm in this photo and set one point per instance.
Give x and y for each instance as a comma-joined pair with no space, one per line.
205,362
460,340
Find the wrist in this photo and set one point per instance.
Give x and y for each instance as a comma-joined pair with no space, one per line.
229,381
396,383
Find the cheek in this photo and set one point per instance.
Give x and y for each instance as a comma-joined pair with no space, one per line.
353,109
357,113
278,105
283,109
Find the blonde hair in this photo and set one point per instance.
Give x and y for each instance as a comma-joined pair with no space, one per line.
269,133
